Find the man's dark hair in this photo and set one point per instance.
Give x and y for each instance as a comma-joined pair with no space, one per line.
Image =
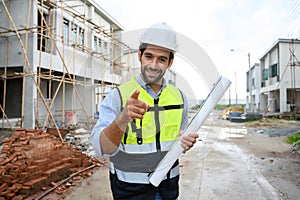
143,46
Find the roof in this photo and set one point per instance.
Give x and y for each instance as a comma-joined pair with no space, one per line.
114,23
280,40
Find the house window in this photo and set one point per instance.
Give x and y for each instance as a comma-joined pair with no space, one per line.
66,31
265,74
81,36
95,43
99,44
105,47
42,40
74,33
273,70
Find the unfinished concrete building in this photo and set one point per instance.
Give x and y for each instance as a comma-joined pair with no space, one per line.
58,59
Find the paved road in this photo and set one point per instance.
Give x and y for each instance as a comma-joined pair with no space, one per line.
219,170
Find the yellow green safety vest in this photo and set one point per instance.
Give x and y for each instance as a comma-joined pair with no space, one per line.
161,123
145,142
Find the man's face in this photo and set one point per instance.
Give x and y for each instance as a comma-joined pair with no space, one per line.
154,63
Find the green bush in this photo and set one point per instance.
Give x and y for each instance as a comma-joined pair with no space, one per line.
291,139
221,106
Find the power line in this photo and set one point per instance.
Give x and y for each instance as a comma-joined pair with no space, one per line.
289,18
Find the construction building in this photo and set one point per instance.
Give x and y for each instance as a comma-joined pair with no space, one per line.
59,58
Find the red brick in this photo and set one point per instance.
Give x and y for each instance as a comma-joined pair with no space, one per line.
43,155
41,162
26,190
32,168
3,187
19,197
6,178
24,175
20,129
40,181
10,195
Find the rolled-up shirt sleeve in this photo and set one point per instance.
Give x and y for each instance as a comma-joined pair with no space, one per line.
109,109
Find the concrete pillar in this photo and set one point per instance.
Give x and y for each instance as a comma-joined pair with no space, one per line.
30,94
30,87
283,99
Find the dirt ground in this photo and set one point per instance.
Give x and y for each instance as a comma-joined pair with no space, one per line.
274,158
230,161
262,153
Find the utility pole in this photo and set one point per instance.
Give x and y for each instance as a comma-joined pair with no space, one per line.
249,79
236,95
250,84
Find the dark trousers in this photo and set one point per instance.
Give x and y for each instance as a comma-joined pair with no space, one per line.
168,189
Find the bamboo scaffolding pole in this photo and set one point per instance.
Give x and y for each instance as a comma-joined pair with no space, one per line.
58,79
63,55
3,111
51,57
5,74
85,60
18,30
41,40
29,66
54,97
74,50
85,27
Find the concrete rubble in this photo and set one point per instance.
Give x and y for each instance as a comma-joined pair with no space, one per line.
80,140
32,160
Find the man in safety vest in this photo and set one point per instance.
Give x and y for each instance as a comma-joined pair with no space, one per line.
141,119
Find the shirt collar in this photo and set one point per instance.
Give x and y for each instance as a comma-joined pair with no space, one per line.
144,85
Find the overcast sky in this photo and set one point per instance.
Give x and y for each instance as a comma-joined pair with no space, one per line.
249,26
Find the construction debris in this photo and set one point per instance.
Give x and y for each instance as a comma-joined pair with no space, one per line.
296,146
29,163
225,113
79,139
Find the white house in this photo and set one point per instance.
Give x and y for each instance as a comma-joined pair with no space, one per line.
280,72
253,104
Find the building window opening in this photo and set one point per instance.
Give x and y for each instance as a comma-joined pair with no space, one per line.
66,31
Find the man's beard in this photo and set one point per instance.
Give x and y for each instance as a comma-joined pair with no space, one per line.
155,76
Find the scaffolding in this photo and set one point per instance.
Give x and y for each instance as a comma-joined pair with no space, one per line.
80,37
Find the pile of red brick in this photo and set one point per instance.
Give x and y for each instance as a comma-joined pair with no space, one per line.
32,159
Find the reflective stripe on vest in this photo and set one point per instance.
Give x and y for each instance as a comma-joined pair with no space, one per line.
137,177
159,128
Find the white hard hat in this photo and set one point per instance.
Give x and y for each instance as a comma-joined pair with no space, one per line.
162,35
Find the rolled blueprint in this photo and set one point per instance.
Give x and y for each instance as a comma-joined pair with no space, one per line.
212,99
